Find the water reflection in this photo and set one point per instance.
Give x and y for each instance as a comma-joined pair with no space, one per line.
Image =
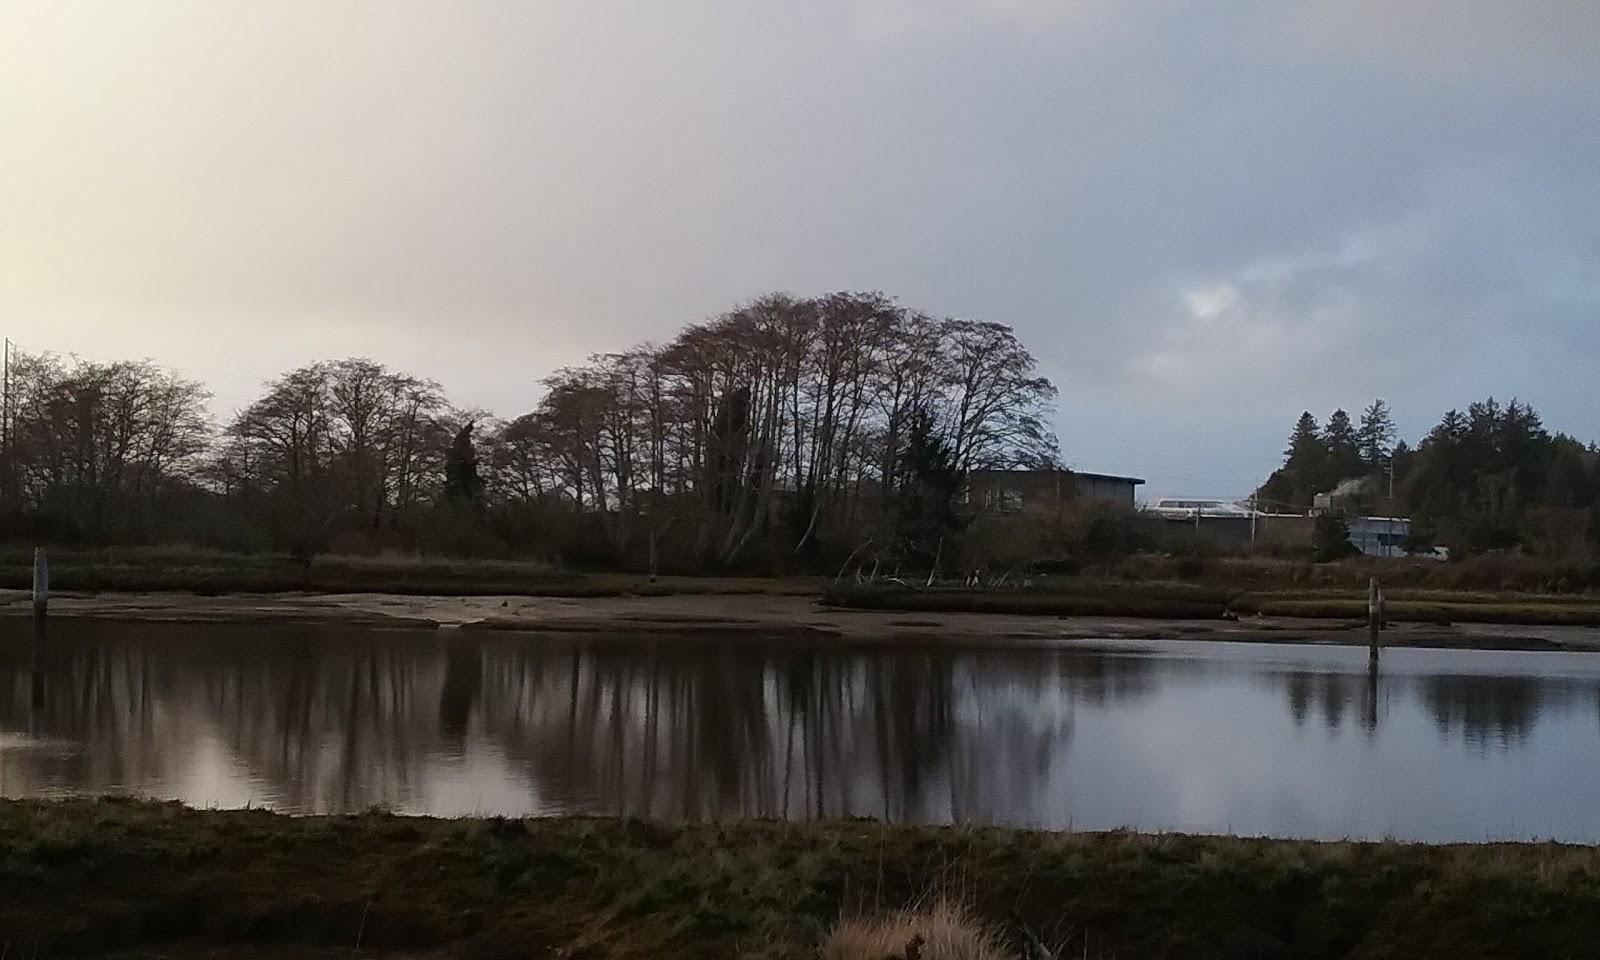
1484,709
1168,736
1333,697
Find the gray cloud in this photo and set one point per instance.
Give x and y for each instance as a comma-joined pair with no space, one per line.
1202,216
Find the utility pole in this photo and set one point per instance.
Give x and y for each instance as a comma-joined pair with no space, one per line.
5,426
5,406
1388,548
1254,510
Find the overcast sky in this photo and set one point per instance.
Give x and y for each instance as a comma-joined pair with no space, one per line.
1202,216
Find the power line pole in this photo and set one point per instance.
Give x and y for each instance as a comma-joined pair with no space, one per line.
5,411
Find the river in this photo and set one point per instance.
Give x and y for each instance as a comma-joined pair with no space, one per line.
1278,740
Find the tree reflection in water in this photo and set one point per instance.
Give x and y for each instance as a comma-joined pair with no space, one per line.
310,720
1486,709
1332,695
317,719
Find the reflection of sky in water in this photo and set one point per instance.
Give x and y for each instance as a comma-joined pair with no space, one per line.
1163,736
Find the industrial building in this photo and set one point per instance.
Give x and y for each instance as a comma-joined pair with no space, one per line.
1379,536
1008,491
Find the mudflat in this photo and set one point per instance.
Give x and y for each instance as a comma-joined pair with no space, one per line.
770,615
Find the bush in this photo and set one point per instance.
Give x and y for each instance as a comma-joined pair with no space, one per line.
1330,539
940,932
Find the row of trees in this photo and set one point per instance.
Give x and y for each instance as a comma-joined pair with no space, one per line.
99,450
795,418
801,425
1491,477
1319,458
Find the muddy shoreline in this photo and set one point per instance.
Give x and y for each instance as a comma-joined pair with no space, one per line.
766,616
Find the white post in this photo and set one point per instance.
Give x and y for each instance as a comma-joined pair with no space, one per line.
41,581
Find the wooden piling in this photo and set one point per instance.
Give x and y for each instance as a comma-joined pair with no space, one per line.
41,582
1374,617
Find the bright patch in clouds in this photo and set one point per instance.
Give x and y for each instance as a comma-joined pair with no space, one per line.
1273,325
1207,303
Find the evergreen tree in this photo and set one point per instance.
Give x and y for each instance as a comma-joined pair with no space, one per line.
1343,450
461,481
1376,435
930,484
1307,455
1487,477
1292,485
1330,538
1480,479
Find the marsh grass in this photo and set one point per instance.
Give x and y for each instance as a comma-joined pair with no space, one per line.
941,930
211,573
88,876
1481,589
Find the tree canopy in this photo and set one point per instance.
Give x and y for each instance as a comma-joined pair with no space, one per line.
1491,477
784,426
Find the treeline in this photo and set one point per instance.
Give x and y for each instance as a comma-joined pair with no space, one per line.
1491,478
783,433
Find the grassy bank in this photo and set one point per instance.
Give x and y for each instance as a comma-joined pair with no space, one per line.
86,876
1084,597
1493,573
1145,587
1062,598
1460,609
205,572
209,573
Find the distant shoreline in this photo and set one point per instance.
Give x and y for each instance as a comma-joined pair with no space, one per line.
768,616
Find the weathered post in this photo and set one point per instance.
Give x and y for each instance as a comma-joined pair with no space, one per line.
1371,717
41,582
652,553
36,664
1374,617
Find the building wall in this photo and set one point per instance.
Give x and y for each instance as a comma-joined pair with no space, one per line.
1292,531
1373,536
1379,536
1223,531
1013,490
1289,530
1112,489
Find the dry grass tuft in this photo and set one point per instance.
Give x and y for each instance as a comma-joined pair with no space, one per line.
943,931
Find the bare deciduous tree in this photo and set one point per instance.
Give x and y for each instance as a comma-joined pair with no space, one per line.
94,447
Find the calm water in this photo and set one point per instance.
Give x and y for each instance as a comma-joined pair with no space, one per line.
1242,738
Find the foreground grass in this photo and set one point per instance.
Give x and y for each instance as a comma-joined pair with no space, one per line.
86,876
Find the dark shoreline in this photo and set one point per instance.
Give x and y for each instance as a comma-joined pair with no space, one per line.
770,616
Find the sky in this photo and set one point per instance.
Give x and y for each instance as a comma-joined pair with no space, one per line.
1203,216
